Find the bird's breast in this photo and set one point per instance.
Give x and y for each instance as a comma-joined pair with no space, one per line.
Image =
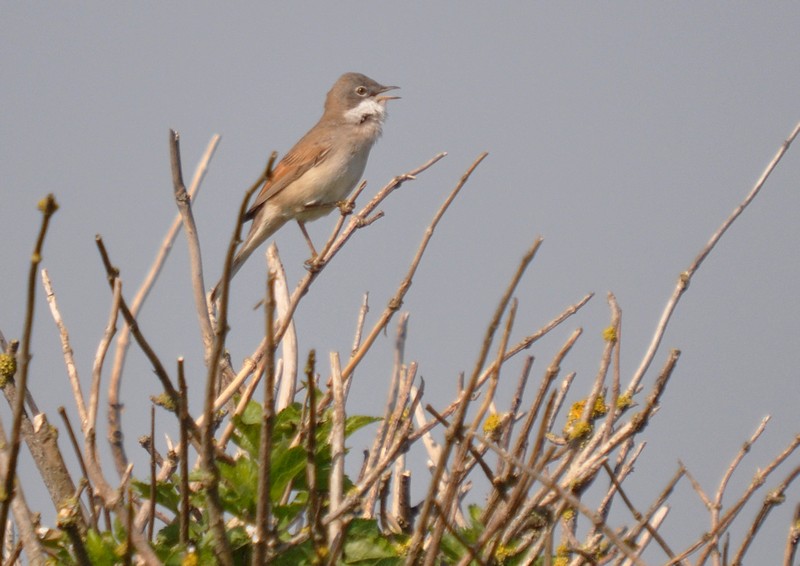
316,192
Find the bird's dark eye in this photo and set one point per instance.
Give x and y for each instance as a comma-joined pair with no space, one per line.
361,90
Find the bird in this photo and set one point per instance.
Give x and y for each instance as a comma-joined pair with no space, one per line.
323,168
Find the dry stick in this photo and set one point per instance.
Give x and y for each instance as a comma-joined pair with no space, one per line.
551,373
302,287
152,522
262,540
686,276
288,371
66,348
636,424
613,410
494,377
561,396
792,538
155,362
48,207
362,317
112,499
424,429
529,340
222,547
516,502
337,453
716,506
314,500
458,421
397,300
513,411
502,471
128,555
460,469
123,341
616,482
697,487
183,415
400,415
73,439
624,466
97,365
774,498
653,524
183,200
353,497
758,480
566,496
645,521
612,345
23,517
392,402
400,511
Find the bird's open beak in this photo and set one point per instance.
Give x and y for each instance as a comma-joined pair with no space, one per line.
384,89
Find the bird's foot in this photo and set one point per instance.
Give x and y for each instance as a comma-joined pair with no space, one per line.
345,207
314,263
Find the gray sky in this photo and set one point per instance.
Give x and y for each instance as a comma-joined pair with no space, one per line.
623,133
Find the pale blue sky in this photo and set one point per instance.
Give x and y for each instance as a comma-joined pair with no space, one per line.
623,133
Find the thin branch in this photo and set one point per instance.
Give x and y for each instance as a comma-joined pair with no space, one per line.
123,340
183,416
263,535
686,276
458,420
335,528
792,538
775,497
183,201
396,301
48,207
69,360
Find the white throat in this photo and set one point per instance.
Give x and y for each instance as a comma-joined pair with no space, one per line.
367,109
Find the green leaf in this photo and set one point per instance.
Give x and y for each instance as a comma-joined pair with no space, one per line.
357,422
366,544
287,466
101,548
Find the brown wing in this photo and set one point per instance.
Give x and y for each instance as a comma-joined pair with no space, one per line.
302,157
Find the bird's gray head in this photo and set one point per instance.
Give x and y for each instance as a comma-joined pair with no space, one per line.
357,98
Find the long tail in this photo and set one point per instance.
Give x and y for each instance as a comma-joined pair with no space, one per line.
260,230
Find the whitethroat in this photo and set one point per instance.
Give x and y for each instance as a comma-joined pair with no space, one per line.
321,170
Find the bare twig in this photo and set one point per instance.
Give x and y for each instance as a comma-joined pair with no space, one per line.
183,200
686,276
23,517
48,207
123,340
69,360
335,528
773,498
396,301
183,415
792,538
263,536
457,422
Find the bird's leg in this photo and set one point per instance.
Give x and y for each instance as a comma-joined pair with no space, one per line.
308,240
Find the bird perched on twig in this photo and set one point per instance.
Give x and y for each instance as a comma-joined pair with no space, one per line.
321,170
